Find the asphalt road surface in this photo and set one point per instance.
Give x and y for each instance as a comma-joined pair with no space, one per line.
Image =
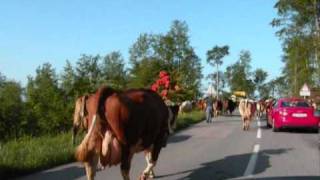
220,150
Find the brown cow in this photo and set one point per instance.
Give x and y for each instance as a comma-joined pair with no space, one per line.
261,107
247,110
121,124
217,108
79,116
201,104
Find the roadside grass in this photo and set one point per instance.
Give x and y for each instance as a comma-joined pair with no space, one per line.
27,155
186,119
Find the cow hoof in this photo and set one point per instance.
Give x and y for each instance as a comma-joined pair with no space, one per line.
151,175
143,177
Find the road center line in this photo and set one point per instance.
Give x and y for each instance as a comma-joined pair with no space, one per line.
259,133
252,162
259,129
259,123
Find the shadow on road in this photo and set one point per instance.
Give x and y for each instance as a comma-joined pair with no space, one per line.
229,167
61,174
285,178
297,131
178,138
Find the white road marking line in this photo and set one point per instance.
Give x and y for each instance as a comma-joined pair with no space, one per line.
252,162
259,133
259,123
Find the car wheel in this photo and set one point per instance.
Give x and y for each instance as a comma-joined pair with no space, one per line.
274,129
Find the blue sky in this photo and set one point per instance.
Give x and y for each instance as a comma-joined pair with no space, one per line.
35,31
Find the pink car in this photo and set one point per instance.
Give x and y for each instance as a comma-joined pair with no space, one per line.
294,113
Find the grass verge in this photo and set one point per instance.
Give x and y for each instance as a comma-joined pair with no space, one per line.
187,119
28,155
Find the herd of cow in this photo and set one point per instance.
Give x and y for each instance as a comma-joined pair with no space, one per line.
249,109
122,123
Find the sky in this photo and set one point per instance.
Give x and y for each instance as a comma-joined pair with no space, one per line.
35,31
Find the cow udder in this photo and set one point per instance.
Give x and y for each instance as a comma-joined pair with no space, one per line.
110,151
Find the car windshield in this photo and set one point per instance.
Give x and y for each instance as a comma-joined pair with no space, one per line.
294,104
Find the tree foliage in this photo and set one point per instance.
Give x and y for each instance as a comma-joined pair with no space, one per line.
45,98
171,52
298,28
214,58
113,71
239,75
11,109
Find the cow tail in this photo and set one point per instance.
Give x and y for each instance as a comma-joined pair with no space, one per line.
82,150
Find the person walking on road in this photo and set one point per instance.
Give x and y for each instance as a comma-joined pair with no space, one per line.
209,102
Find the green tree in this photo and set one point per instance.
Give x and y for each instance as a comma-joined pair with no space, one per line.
11,110
278,87
88,74
238,75
171,52
298,28
68,78
45,99
214,58
113,71
259,77
70,90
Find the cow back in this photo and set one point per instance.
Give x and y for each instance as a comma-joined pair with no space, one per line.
137,115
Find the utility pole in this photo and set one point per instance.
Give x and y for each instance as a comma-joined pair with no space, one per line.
317,35
217,81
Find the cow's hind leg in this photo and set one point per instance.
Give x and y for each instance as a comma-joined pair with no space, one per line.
247,124
151,160
126,157
243,124
91,167
148,171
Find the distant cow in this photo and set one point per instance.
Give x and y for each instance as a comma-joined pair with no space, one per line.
186,106
217,108
79,116
247,110
229,106
121,124
261,107
201,104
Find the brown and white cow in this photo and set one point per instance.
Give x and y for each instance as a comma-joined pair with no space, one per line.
121,124
79,116
217,108
247,110
261,108
185,107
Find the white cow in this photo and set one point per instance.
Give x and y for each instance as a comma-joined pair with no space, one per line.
186,106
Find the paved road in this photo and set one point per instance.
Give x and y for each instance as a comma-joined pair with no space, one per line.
221,150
